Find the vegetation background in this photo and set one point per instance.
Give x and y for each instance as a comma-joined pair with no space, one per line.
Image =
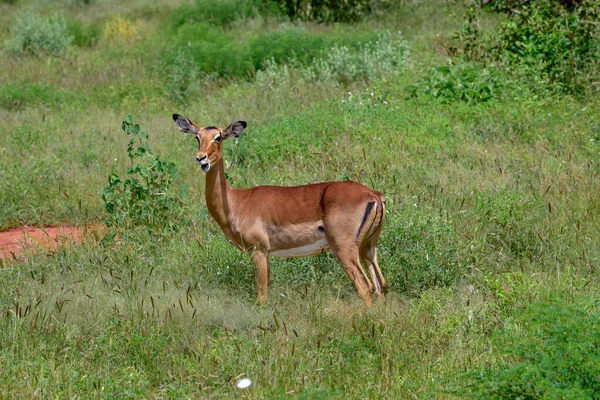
479,123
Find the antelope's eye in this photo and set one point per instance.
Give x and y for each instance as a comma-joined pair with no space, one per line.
217,139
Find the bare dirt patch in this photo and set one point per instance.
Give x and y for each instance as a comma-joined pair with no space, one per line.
13,242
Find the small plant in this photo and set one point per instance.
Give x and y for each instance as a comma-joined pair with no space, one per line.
459,82
33,34
144,199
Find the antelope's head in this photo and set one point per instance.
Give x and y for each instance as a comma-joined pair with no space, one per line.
210,139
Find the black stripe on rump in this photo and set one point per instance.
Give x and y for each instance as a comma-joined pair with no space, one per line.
367,211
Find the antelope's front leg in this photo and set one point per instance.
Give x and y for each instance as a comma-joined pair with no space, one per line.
261,275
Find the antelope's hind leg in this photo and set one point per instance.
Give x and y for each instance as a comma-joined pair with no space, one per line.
347,254
368,256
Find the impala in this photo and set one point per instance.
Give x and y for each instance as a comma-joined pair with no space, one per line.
291,221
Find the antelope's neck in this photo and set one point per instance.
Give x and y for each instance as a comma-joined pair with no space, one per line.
217,195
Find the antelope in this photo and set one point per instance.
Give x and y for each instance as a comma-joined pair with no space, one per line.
291,221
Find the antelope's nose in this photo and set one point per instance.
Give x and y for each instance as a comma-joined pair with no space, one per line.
201,160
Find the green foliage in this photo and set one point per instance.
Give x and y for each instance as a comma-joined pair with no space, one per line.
550,351
380,59
327,10
83,35
219,13
548,38
199,50
14,96
84,3
33,34
459,82
145,198
492,206
517,5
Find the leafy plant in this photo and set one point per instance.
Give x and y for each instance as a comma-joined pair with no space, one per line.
557,39
327,10
33,34
145,198
200,50
220,13
376,60
459,82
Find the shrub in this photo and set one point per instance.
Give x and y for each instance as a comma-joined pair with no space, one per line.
550,351
33,34
327,10
376,60
557,39
459,82
145,198
220,13
83,35
198,50
121,29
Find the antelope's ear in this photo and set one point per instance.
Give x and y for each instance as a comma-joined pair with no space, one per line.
185,125
235,129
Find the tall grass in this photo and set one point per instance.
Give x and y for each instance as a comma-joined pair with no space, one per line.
492,212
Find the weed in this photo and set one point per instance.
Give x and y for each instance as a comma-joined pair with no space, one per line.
144,199
33,34
380,59
121,29
327,10
221,13
548,38
459,82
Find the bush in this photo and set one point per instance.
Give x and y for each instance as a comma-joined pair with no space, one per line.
83,35
459,82
199,50
557,39
121,29
376,60
551,351
220,13
33,34
145,198
327,10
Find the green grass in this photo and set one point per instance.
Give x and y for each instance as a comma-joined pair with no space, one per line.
493,214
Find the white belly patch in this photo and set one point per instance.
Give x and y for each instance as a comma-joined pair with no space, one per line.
307,250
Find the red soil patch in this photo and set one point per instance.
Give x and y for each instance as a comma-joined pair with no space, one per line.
14,241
